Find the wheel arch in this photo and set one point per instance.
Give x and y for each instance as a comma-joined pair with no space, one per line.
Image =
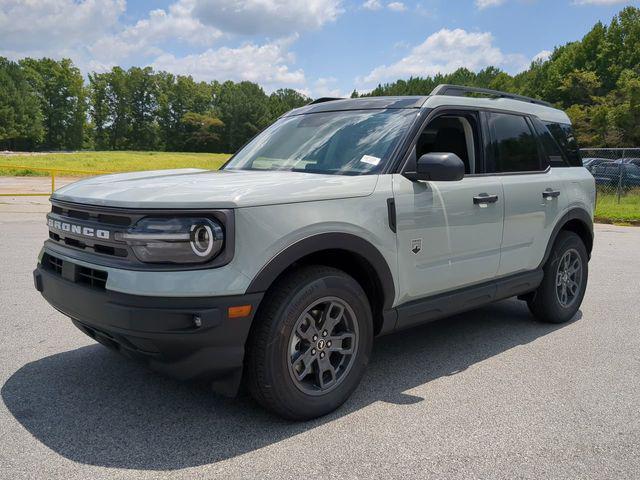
347,252
576,220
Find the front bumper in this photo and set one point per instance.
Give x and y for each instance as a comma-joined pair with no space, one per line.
162,331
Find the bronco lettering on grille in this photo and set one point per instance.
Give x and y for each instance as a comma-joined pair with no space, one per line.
78,229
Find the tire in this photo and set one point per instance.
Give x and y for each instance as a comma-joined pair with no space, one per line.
283,359
551,302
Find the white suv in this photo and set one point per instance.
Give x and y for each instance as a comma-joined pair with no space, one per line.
345,219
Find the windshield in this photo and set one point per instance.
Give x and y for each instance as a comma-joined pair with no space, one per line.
353,142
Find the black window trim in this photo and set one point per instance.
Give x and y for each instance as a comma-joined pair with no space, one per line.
539,134
407,160
565,151
543,158
542,161
485,139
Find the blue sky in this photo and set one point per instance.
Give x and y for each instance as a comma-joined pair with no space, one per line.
320,47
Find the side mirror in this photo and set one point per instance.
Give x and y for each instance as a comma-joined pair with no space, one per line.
444,167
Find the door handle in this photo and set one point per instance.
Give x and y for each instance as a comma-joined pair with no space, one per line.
484,198
550,193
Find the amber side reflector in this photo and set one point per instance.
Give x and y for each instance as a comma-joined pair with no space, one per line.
239,311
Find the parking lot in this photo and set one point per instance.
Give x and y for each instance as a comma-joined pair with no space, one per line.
486,394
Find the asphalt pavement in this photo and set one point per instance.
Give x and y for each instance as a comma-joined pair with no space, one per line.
486,394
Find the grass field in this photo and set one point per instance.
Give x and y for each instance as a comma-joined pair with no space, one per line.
608,209
120,161
627,211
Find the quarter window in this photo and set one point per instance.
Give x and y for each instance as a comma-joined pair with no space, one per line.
551,148
515,147
563,134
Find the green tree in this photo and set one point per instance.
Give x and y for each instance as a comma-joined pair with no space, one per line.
178,95
142,93
99,109
285,99
244,109
60,90
119,109
20,117
201,132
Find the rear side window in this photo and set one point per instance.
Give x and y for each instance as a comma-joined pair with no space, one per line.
563,134
515,146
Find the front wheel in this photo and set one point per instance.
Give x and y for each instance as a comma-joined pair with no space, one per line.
560,294
311,343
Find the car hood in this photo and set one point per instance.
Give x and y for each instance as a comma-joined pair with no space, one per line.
195,188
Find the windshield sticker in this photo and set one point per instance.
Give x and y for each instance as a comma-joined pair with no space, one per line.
371,160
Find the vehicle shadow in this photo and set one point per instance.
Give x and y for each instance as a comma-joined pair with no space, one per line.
94,407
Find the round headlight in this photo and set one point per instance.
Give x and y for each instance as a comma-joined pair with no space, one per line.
202,240
175,240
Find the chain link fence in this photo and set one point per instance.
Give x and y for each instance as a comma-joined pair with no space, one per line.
616,170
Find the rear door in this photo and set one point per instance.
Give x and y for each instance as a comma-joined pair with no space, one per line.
533,190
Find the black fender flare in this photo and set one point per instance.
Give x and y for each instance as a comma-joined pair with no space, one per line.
327,241
576,213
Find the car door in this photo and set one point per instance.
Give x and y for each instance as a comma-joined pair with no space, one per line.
448,233
533,191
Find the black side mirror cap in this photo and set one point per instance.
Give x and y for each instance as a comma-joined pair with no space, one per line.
438,166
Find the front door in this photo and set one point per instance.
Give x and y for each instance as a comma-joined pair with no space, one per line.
448,234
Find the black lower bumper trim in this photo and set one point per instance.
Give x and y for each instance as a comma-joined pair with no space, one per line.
187,338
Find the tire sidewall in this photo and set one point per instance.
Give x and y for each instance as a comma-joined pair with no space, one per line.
555,310
277,351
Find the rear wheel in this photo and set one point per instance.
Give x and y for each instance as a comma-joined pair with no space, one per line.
560,294
311,343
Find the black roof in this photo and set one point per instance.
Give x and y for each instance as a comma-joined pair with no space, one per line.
363,103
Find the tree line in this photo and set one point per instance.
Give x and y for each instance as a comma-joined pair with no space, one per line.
595,80
48,105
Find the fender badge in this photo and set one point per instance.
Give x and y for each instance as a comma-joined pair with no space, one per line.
416,246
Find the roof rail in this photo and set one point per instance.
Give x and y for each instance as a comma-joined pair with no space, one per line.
324,99
461,91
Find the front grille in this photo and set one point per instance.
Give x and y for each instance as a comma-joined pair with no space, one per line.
93,218
75,213
93,234
91,277
54,264
96,247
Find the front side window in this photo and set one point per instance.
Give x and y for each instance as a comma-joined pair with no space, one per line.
353,142
452,134
515,146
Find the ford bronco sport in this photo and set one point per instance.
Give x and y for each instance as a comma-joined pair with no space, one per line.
344,220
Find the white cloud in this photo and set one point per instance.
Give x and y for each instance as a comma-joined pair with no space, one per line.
326,87
444,52
147,36
372,5
542,56
55,28
272,17
323,87
600,2
266,64
93,35
397,6
482,4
